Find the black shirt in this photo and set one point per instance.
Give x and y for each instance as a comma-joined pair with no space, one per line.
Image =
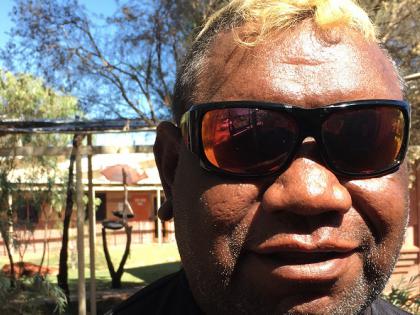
172,295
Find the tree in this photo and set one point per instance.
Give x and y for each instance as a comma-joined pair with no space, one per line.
398,23
24,97
131,56
62,277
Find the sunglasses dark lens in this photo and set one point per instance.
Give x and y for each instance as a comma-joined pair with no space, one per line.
247,140
364,141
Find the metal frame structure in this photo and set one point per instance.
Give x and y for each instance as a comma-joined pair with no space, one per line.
80,127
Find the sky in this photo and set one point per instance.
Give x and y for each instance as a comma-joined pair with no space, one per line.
5,23
105,7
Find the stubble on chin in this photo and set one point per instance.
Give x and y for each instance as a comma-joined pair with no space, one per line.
213,289
246,299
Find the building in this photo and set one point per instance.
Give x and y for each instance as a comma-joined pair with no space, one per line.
143,193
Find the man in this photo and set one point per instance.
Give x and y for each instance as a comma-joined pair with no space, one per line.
285,176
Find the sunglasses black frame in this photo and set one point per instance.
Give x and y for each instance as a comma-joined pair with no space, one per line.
309,122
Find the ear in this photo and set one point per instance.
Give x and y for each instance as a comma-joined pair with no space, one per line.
166,150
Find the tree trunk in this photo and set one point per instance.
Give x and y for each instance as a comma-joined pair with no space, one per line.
44,243
117,275
6,240
107,256
6,233
62,277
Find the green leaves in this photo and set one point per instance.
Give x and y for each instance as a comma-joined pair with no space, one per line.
23,96
404,295
30,296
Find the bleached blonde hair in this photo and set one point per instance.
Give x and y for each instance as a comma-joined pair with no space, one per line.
262,18
266,16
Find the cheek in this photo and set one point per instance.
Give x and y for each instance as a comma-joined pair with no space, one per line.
383,202
208,211
228,204
210,199
211,222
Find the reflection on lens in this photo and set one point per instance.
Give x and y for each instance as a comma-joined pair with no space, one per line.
363,140
247,140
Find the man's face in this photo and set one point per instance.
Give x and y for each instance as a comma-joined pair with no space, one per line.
305,241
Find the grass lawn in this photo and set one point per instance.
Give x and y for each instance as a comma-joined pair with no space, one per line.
146,263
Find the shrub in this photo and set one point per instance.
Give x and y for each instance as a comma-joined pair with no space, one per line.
405,295
30,295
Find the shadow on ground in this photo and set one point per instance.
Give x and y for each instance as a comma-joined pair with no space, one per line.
107,297
151,273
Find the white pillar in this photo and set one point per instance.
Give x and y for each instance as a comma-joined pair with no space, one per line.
159,223
81,289
92,231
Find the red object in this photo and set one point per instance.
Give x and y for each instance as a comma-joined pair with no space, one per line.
114,173
27,269
142,205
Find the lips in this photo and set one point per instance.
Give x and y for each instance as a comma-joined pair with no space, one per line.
303,261
303,258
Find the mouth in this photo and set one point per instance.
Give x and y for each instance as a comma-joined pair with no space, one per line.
305,258
303,263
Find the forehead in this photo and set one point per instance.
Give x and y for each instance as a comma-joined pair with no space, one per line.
298,67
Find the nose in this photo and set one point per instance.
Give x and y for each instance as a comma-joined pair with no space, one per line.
307,187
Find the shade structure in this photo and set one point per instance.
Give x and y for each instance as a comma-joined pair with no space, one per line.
78,127
115,173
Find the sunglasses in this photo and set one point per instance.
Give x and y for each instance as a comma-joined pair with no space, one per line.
247,138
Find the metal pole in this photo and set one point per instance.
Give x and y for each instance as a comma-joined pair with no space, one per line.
92,232
81,289
10,228
417,206
413,76
159,223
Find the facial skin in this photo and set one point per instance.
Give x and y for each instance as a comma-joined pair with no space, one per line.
304,241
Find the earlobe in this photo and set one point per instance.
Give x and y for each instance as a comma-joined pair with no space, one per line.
166,150
165,212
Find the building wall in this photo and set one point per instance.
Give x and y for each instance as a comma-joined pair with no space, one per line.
144,225
141,202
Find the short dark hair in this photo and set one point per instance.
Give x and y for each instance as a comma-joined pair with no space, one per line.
194,64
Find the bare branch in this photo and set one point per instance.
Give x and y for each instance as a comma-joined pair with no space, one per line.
413,76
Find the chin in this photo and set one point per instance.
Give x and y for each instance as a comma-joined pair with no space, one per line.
350,300
315,306
320,305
